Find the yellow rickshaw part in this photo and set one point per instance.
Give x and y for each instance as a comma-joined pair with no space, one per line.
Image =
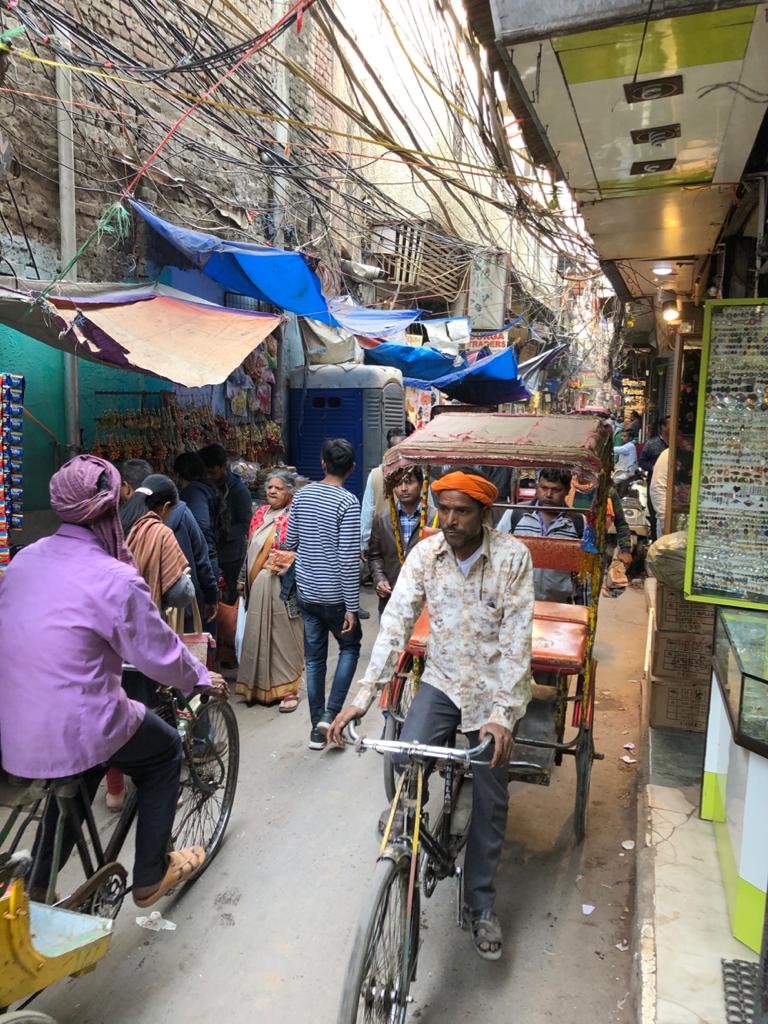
24,970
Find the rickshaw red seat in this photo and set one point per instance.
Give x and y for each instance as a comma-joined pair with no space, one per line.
417,645
558,646
559,643
577,613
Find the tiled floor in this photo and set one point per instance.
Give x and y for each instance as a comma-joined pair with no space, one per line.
691,916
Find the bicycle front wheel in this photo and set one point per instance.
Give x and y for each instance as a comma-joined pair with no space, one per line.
386,947
208,779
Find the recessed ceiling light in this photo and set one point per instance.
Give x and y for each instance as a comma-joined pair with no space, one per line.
670,312
662,269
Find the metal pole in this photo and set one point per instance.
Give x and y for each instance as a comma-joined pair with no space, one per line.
68,239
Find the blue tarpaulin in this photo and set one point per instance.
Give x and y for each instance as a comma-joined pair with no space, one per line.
425,363
488,381
284,279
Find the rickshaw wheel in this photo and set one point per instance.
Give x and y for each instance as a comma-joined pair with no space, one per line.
585,755
26,1017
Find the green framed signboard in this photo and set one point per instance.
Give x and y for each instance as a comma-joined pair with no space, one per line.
727,560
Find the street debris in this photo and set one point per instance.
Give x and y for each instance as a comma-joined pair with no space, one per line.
629,760
587,909
622,946
629,746
156,923
628,844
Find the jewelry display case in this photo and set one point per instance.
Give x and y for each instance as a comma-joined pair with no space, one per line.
728,532
741,667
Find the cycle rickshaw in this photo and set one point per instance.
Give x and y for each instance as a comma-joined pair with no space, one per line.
412,860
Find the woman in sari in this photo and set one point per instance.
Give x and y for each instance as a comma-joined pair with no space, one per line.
273,647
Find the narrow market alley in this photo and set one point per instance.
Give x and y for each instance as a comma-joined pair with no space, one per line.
265,934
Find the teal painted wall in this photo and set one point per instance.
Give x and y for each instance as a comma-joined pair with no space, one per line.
43,368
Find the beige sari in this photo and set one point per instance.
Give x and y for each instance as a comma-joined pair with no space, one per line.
273,643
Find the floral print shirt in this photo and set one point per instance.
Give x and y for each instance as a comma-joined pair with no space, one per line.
479,649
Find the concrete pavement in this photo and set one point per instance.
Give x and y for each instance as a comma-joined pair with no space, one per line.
265,934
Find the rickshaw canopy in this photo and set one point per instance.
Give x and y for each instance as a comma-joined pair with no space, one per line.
501,439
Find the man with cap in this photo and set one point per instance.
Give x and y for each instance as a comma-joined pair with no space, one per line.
478,586
73,609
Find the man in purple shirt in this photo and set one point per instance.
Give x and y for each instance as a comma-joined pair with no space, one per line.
72,609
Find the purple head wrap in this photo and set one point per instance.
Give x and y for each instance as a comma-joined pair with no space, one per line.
76,498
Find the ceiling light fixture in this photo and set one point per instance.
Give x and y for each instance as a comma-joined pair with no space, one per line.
670,312
663,269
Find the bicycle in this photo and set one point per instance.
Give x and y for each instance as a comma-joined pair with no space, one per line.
210,761
412,859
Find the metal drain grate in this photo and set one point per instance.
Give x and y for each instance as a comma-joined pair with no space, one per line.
740,984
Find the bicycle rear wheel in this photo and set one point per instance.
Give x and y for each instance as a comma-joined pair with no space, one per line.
386,947
208,779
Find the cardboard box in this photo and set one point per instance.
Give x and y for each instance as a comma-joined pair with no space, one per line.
679,707
682,658
676,615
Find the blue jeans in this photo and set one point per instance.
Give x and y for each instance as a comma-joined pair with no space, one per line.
319,621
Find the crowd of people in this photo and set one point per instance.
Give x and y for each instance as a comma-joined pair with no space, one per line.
140,558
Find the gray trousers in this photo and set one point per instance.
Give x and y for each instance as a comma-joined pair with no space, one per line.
433,718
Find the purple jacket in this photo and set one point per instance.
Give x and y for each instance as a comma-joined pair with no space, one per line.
70,615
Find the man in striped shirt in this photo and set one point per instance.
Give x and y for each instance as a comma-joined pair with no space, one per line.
552,487
324,530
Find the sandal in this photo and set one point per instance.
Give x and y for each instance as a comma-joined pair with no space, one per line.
289,703
182,866
486,931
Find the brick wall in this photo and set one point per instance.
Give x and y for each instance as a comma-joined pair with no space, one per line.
199,188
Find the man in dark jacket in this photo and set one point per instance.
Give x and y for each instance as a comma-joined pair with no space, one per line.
202,500
192,543
236,498
384,551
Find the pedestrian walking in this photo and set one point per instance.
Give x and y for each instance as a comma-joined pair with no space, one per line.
393,537
324,531
272,658
235,517
201,498
649,456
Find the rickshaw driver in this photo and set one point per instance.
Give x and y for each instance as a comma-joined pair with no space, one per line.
478,586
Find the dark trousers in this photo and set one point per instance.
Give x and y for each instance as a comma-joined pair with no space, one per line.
433,718
152,759
231,572
320,621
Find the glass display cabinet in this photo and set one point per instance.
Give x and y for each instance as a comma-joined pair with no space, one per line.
741,667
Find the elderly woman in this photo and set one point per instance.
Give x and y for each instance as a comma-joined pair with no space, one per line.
273,647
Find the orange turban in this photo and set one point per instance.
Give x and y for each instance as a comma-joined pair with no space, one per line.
476,487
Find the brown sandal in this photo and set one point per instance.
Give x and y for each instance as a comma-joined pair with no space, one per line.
182,865
289,703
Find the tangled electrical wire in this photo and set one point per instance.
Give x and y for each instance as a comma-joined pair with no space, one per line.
314,183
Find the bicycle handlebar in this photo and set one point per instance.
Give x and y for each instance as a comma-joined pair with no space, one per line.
468,756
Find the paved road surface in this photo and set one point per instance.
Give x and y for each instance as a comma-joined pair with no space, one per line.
265,934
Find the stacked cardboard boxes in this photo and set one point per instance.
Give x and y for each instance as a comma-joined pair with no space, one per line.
681,661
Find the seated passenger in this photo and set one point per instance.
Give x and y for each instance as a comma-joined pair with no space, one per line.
552,487
73,609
